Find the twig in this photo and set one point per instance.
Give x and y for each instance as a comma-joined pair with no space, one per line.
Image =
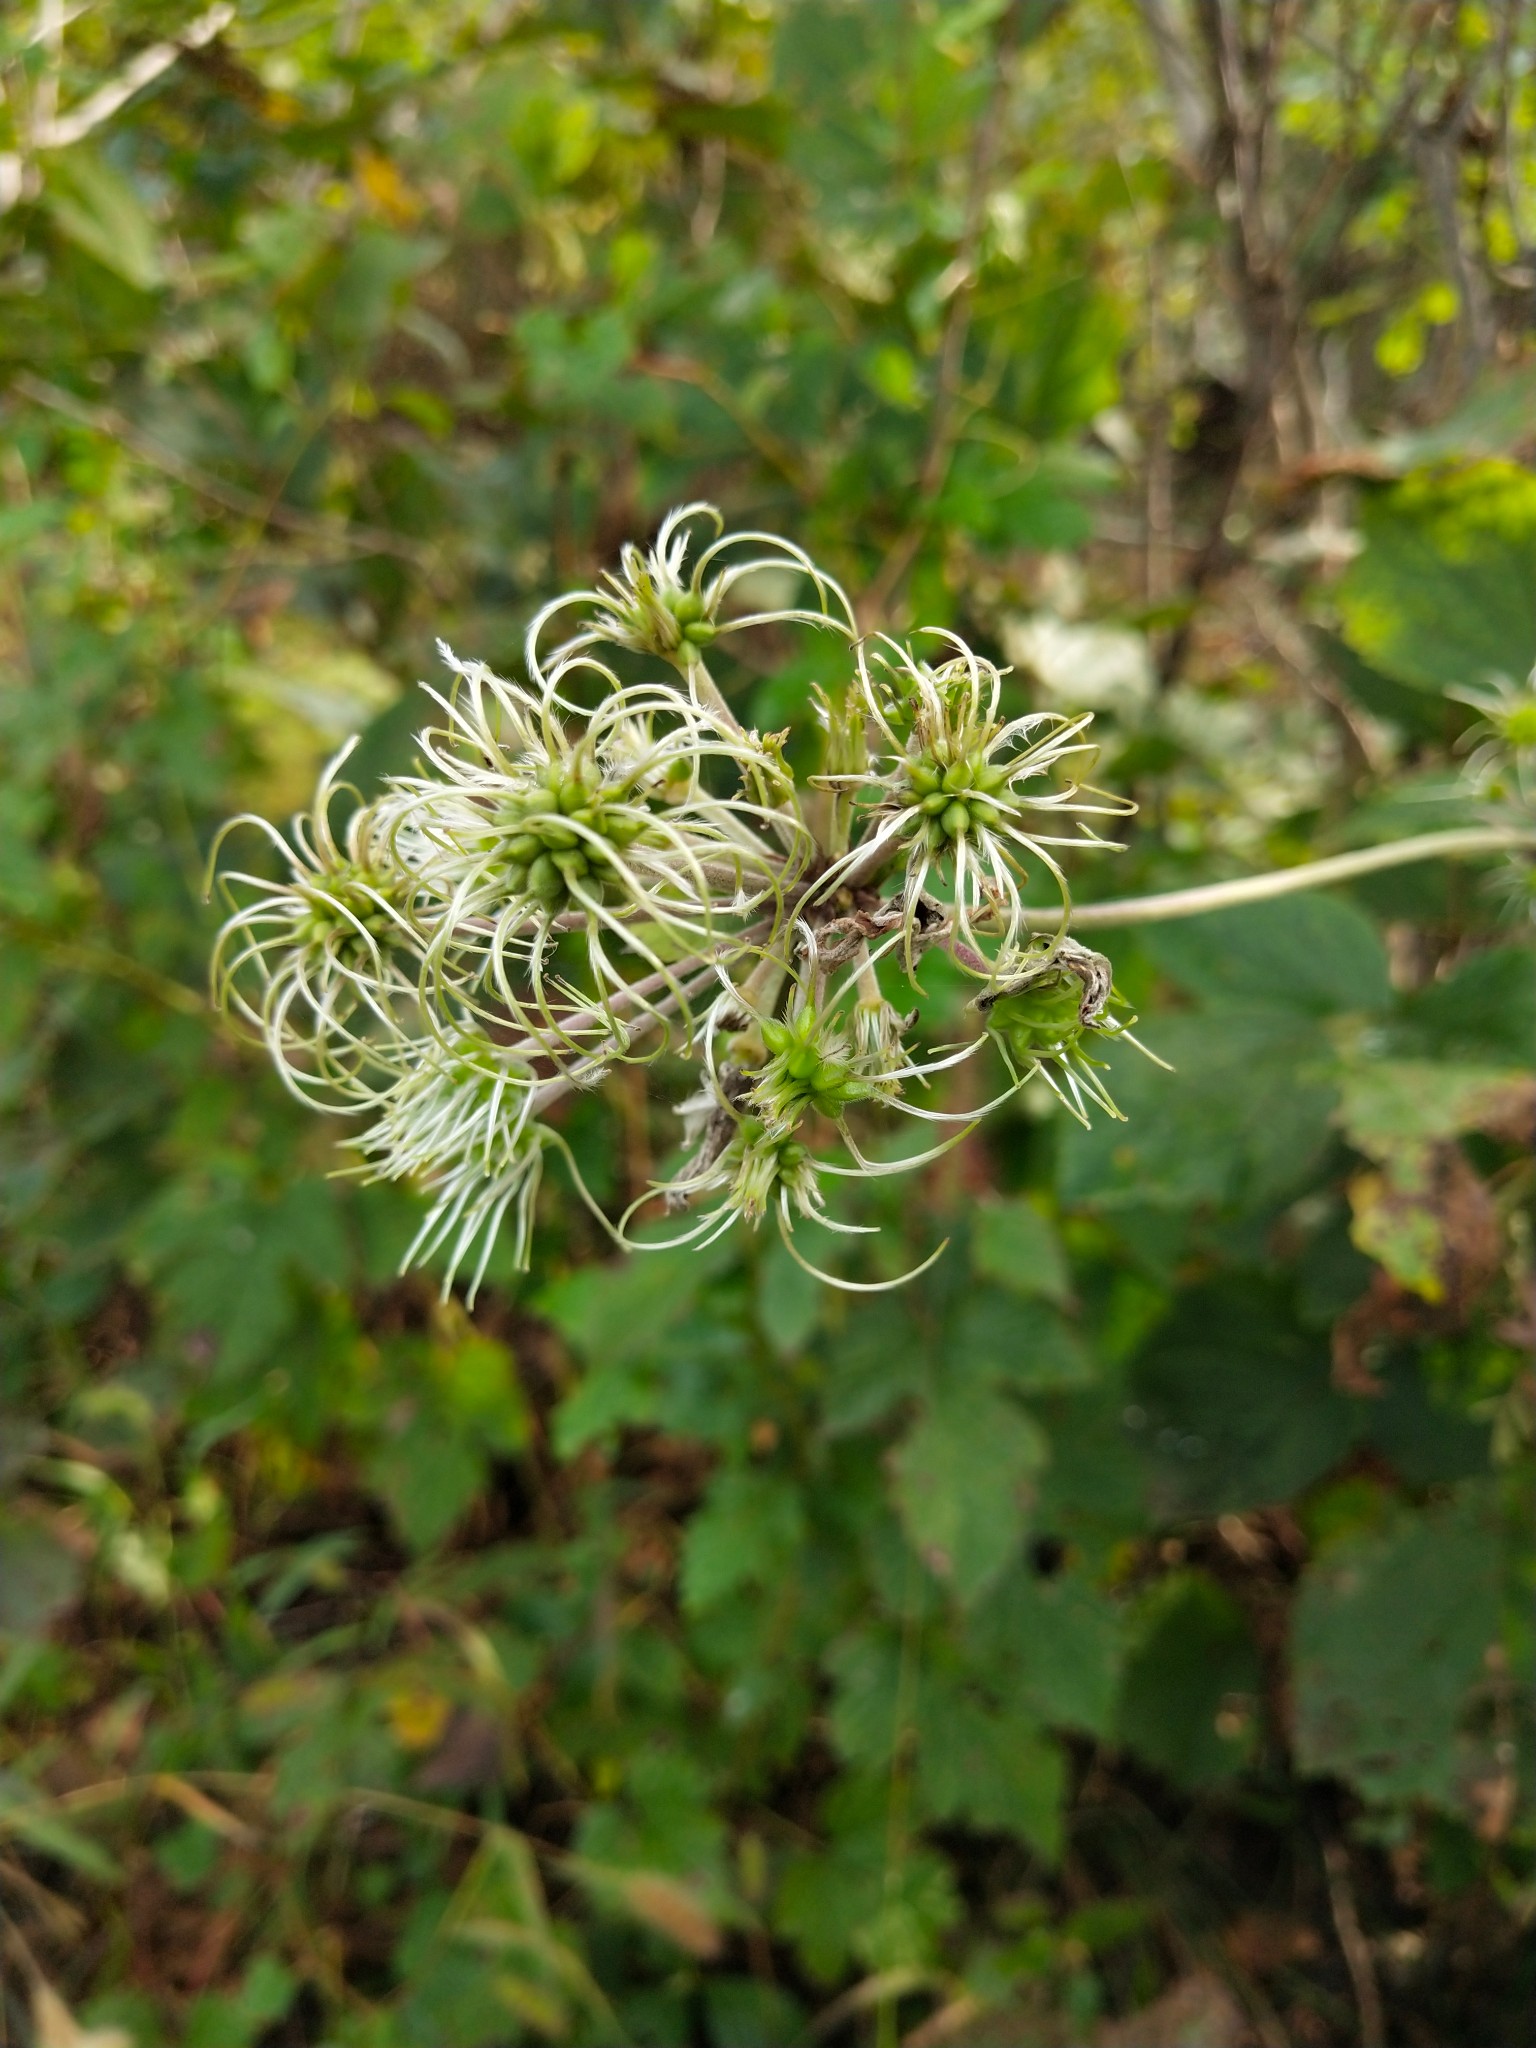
686,370
62,131
100,419
108,962
943,427
1313,874
1355,1947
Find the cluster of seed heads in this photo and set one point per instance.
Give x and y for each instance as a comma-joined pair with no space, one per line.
602,866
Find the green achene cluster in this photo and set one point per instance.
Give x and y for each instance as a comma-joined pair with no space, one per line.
1043,1018
351,908
954,796
803,1073
561,835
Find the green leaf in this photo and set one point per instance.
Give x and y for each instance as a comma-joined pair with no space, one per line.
963,1478
622,1310
1310,953
789,1300
427,1476
1016,1245
1189,1700
747,1533
1239,1124
31,1818
1032,1348
855,1898
745,2012
97,209
1051,1644
1234,1407
38,1577
226,2020
1444,592
1482,1013
877,1361
992,1768
1390,1636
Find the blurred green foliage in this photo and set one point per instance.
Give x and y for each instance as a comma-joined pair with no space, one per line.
673,1652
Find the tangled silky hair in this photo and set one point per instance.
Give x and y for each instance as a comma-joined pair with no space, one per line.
593,867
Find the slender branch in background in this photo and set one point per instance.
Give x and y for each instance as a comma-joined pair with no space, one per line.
1181,81
51,130
105,961
1352,1942
100,419
1313,874
776,453
944,419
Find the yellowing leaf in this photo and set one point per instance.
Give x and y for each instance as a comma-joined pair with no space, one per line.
298,698
1398,1228
417,1716
380,182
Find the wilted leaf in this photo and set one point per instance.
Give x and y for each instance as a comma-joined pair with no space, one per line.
674,1910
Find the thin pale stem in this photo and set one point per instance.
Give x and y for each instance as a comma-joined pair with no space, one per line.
1465,844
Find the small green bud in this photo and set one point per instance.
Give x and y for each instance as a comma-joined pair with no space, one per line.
956,820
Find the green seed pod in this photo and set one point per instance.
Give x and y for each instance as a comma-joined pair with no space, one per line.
802,1062
572,864
776,1036
544,880
956,820
517,877
1044,1016
526,846
936,803
557,834
538,802
923,777
700,633
958,777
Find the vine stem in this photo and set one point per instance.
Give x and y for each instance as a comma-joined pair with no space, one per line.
1461,844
